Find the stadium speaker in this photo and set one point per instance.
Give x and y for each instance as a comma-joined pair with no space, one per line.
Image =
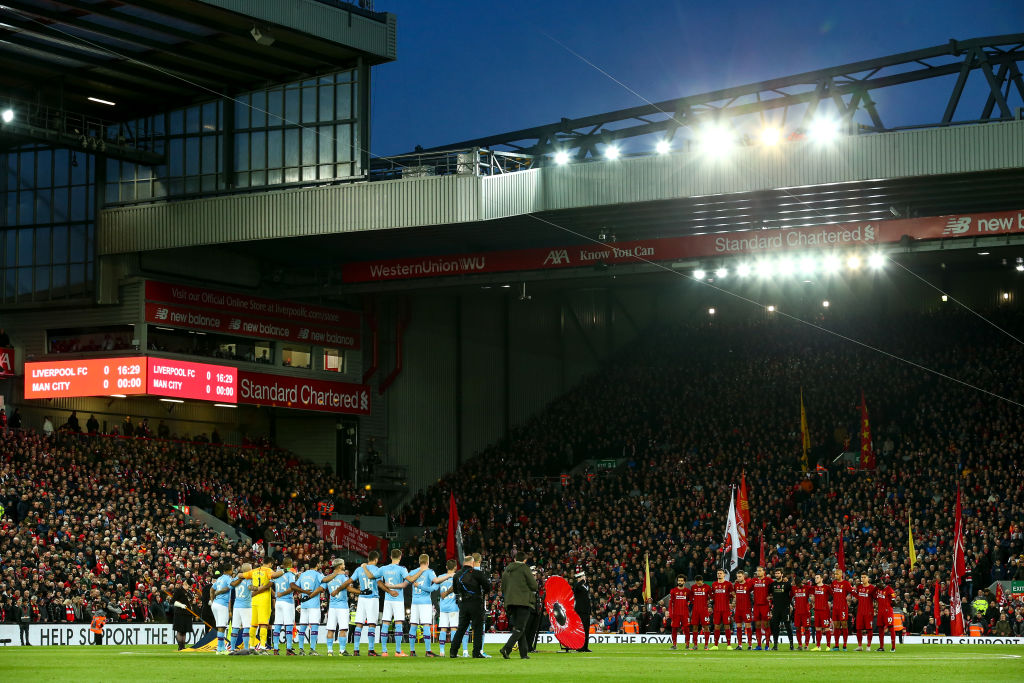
262,37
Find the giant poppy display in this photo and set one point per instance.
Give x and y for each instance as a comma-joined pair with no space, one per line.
561,606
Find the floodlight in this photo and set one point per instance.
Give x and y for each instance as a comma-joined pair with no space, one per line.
876,260
561,158
744,270
853,263
699,274
8,115
711,311
611,152
721,272
771,136
663,147
824,130
786,267
825,303
717,140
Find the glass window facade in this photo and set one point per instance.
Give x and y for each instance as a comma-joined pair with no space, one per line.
303,132
296,133
46,209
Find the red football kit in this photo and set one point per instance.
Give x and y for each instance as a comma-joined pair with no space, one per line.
884,597
865,607
742,591
840,608
801,605
700,593
760,591
822,622
679,607
722,592
822,609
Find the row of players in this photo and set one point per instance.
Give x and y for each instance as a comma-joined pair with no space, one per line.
764,603
259,592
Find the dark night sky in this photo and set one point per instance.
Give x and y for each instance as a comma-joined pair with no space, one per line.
473,68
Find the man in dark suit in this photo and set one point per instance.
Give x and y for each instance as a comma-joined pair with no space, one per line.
581,594
470,585
519,586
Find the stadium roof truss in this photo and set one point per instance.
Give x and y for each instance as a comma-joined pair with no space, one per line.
64,63
847,88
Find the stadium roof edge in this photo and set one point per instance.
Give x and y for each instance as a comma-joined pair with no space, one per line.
876,166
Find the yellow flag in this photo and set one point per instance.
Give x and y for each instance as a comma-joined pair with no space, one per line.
647,578
805,434
910,542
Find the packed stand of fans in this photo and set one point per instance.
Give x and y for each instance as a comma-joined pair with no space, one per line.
691,410
88,521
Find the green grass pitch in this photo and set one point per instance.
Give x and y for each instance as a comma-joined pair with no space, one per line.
606,663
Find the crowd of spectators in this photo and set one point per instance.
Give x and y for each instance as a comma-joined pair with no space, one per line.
89,522
691,410
684,413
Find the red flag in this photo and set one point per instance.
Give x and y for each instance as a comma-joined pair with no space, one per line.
959,565
761,563
841,554
867,449
956,617
451,552
937,607
1000,595
742,518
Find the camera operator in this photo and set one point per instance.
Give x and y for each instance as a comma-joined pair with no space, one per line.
533,623
519,586
470,586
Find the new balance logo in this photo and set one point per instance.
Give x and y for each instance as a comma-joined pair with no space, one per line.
303,333
161,313
234,324
364,400
957,225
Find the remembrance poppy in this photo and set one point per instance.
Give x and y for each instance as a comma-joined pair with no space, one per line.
561,606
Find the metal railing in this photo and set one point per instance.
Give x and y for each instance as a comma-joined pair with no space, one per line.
92,131
468,161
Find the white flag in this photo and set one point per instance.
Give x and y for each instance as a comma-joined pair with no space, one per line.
732,534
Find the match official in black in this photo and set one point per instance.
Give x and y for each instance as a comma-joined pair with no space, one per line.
781,599
519,586
470,585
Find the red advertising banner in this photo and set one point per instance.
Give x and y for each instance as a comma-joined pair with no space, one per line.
85,377
6,362
302,393
230,323
867,233
344,535
199,381
198,297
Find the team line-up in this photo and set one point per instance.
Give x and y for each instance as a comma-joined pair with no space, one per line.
260,591
760,608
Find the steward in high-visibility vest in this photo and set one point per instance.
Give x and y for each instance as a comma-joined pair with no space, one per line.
897,622
96,626
630,626
976,630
